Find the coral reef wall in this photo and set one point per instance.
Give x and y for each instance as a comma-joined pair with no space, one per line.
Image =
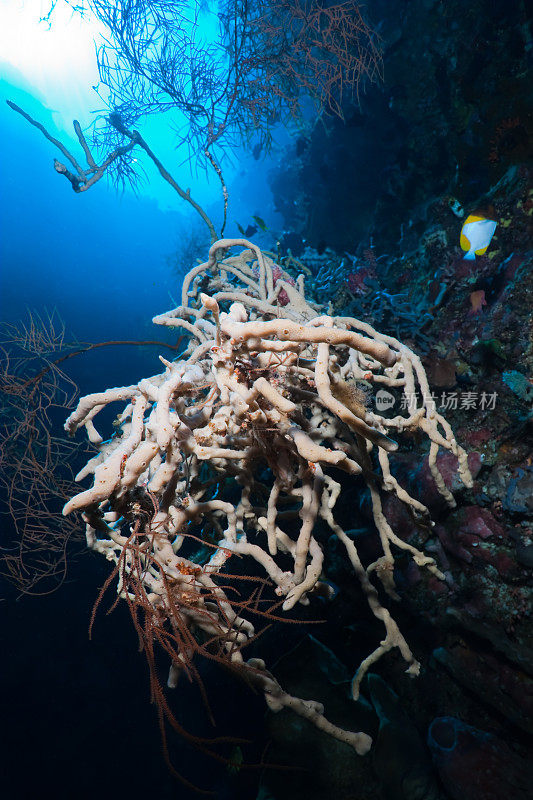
451,115
379,203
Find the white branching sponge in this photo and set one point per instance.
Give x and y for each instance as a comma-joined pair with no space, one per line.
242,438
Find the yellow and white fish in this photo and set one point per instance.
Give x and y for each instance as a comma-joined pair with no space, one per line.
476,235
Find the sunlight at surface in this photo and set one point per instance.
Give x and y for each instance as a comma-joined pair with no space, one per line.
57,62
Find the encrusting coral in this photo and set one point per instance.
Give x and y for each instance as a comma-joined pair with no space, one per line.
243,434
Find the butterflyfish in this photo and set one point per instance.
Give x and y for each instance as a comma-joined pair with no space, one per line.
476,235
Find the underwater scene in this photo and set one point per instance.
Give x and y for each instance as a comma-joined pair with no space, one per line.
266,399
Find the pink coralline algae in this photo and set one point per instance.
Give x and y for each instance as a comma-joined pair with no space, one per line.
277,273
448,467
480,522
478,535
366,271
475,438
356,281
